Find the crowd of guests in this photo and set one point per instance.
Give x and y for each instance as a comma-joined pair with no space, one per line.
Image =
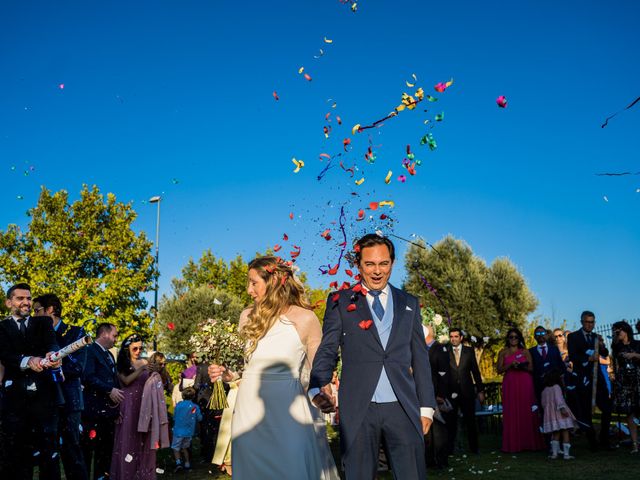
99,416
549,391
103,417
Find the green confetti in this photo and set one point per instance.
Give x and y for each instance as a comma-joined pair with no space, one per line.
440,117
431,99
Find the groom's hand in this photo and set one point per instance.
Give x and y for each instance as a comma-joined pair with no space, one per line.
426,424
324,400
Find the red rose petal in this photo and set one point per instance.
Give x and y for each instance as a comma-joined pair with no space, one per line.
335,297
171,326
351,307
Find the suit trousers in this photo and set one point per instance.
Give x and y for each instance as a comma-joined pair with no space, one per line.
437,445
97,445
584,413
467,406
70,450
403,445
30,436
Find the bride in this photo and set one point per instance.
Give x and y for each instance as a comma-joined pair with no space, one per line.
276,432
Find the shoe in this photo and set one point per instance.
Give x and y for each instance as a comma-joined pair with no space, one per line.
553,457
568,457
178,468
635,448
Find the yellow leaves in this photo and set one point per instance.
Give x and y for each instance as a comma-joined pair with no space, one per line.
298,163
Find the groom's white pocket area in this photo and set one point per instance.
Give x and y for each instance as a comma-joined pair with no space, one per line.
409,308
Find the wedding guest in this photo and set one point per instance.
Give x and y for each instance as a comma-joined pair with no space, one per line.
561,342
437,438
72,366
102,397
210,423
520,421
32,393
585,349
626,387
187,379
465,386
133,456
545,357
153,419
185,417
558,420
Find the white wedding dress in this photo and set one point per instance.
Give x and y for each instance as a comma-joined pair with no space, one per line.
276,432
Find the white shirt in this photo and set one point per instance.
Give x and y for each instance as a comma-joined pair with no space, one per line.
25,359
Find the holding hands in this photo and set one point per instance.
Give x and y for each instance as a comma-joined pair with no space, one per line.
325,400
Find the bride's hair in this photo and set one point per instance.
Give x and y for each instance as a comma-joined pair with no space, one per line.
283,290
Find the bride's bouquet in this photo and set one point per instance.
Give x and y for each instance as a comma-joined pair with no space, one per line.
217,341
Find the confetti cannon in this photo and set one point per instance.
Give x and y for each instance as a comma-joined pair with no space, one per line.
68,350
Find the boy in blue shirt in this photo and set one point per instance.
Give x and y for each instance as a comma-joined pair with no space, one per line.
185,416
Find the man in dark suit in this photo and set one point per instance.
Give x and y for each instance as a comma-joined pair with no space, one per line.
585,348
72,367
386,391
102,396
210,423
545,357
437,438
32,392
466,386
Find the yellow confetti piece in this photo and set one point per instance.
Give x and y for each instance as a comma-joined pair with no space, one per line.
355,128
327,40
449,83
360,182
387,179
389,203
298,163
300,70
410,85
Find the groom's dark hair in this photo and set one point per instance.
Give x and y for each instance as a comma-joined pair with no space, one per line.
371,240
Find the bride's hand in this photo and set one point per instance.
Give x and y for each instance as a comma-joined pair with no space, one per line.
324,400
219,372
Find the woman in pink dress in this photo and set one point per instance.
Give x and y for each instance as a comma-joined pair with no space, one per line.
520,420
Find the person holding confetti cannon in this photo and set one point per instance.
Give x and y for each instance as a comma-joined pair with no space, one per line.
275,431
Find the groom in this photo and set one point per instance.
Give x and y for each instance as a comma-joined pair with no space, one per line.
386,391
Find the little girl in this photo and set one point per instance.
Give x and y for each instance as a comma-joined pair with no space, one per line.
558,419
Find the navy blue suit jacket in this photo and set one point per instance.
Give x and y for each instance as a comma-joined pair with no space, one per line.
72,366
542,366
405,358
39,340
99,378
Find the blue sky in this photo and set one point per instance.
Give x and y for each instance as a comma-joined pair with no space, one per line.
175,98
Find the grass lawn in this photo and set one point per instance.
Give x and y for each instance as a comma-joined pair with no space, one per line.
490,463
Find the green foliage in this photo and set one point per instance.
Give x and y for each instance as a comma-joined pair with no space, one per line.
175,369
86,253
185,312
482,301
215,272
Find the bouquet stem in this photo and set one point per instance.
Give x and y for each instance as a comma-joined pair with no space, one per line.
218,399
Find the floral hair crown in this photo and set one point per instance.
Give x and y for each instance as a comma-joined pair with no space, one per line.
132,339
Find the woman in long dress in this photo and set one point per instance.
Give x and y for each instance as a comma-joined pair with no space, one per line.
520,419
626,390
133,458
275,431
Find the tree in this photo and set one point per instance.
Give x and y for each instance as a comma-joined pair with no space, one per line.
193,300
86,253
483,301
180,315
209,270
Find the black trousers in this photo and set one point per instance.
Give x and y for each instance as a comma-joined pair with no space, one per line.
30,437
437,445
403,444
468,408
584,414
209,427
70,450
97,445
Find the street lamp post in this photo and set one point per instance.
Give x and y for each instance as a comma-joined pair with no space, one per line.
156,200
